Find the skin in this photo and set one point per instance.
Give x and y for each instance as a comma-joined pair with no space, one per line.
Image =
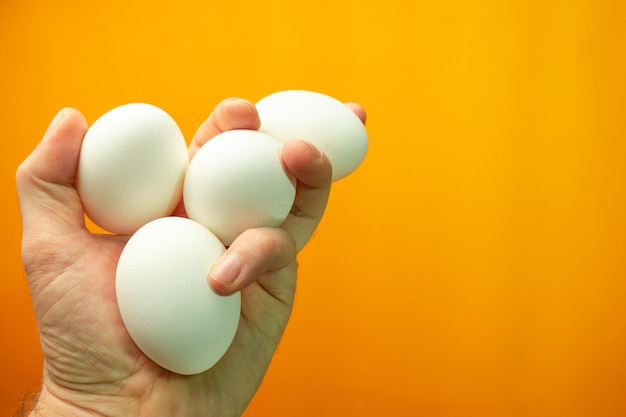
91,365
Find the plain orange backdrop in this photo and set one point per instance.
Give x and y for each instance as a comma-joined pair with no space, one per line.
474,265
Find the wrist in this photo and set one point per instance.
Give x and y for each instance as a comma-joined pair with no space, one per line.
56,401
48,405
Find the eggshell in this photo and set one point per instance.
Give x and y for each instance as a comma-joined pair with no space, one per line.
319,119
236,181
165,300
131,167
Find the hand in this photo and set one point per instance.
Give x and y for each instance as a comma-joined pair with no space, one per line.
91,365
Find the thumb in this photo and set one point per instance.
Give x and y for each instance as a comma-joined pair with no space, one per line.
45,180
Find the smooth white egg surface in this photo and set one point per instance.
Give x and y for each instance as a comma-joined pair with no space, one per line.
236,181
131,167
166,301
319,119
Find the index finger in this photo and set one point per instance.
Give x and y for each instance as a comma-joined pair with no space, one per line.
231,113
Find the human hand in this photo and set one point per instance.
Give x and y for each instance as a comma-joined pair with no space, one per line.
91,365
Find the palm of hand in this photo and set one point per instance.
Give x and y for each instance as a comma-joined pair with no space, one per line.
88,351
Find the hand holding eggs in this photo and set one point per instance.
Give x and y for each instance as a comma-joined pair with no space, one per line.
133,171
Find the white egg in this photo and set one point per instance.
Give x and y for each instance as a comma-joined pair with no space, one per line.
319,119
131,167
166,301
236,181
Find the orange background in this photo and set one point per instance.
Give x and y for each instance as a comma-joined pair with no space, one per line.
475,264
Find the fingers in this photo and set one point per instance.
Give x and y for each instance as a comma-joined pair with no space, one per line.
55,158
313,172
258,253
255,253
232,113
237,113
45,180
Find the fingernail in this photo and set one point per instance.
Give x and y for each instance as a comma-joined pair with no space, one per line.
242,100
316,152
227,268
54,123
